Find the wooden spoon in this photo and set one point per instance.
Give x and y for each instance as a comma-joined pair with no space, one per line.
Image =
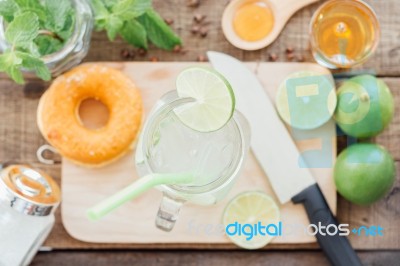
282,10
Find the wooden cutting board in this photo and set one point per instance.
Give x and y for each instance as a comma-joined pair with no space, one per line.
134,221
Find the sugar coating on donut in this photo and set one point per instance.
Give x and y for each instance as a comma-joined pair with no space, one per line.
59,122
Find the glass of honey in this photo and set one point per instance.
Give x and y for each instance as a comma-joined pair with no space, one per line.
344,33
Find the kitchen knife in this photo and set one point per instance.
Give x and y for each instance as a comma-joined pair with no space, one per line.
278,155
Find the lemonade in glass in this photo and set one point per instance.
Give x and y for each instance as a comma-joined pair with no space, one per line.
168,145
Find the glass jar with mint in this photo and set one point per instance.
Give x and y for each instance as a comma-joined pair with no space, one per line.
47,37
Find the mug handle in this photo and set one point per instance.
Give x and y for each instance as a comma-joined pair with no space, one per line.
46,148
168,212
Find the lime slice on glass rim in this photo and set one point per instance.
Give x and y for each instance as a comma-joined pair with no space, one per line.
250,208
306,99
214,100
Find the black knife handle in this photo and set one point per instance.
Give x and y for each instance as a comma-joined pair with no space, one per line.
337,248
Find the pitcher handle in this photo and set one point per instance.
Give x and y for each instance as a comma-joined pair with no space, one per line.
168,213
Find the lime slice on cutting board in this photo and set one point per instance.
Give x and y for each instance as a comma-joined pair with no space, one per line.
214,101
306,99
250,208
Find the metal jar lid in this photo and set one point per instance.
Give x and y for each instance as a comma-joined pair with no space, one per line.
28,191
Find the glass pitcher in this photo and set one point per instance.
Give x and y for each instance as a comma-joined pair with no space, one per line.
215,158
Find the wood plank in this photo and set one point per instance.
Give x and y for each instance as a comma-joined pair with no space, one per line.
19,135
385,61
390,137
203,258
295,34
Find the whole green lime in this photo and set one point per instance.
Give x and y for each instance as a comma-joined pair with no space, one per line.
364,173
365,106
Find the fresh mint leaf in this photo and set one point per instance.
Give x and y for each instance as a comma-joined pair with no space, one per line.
32,6
10,63
100,24
129,9
8,59
100,9
47,44
69,27
134,33
5,61
23,29
57,12
43,72
112,15
109,4
15,73
35,64
3,65
101,14
7,9
27,3
113,26
122,17
31,48
34,28
158,31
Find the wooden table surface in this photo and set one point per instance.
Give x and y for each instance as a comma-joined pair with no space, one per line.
19,139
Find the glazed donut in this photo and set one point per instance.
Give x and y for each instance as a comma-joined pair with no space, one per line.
59,122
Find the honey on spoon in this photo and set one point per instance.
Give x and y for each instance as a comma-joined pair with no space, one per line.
253,20
254,24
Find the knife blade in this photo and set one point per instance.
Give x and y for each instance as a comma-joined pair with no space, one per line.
278,155
271,142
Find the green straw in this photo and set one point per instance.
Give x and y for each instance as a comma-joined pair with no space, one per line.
134,190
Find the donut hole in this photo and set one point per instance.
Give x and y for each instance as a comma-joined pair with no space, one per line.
93,113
